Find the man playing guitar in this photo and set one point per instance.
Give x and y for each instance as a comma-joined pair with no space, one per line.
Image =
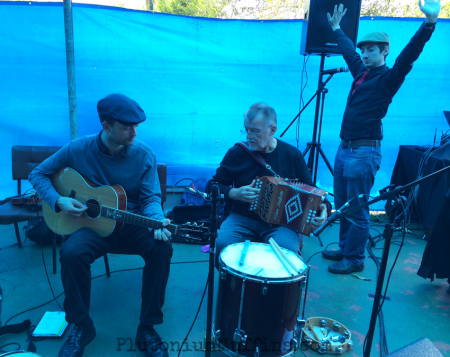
111,157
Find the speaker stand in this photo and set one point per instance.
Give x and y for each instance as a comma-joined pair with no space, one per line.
314,146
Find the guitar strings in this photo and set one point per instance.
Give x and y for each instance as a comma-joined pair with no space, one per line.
129,217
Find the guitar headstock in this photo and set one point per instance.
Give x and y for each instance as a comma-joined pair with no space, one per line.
193,231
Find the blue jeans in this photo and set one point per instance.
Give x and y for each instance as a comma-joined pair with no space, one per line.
354,174
238,228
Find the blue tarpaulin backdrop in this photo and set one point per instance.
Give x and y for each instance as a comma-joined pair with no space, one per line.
195,78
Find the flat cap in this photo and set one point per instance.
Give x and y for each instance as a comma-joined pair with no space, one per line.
374,37
121,108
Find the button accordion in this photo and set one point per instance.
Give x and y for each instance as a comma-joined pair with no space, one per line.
288,203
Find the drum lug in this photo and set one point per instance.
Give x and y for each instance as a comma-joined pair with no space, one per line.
257,352
223,274
264,289
240,336
299,329
294,344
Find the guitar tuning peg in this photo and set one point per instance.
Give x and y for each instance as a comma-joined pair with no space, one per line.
195,223
188,222
202,225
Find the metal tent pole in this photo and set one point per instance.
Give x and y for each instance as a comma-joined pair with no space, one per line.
70,58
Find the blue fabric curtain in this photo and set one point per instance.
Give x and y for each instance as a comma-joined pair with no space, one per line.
195,78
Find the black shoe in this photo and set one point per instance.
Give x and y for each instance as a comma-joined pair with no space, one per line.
78,339
148,340
344,267
333,255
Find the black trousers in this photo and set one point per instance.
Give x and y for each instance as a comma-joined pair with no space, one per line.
85,246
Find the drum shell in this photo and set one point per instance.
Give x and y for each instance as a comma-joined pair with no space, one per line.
269,313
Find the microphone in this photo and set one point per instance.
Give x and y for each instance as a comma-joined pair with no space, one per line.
336,70
203,195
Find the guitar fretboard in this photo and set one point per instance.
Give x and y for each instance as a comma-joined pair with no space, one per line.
135,219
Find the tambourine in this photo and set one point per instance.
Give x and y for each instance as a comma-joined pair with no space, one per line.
326,335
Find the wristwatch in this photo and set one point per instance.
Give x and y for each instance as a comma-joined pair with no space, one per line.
429,25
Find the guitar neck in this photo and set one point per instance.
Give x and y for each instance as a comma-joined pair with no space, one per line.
135,219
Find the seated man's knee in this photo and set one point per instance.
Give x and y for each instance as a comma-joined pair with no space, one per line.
75,247
163,249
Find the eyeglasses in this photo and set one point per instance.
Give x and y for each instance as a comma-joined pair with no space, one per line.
252,132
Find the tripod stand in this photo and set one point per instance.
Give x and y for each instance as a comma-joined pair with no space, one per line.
314,146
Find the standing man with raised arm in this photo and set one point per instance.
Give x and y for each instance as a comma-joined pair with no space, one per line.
359,155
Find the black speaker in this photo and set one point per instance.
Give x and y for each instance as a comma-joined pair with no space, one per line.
317,35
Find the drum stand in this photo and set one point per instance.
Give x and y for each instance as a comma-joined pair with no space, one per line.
301,320
214,225
393,202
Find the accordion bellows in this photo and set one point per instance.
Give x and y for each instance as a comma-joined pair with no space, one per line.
288,203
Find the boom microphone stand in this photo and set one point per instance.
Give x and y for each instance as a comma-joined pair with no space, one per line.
214,225
315,145
392,196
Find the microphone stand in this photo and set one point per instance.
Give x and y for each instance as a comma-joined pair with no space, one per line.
213,227
392,196
314,144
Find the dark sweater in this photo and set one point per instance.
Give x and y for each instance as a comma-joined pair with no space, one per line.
370,102
239,169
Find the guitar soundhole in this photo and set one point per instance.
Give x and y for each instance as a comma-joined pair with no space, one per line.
94,208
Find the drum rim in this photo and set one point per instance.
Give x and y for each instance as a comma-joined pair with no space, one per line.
288,279
16,352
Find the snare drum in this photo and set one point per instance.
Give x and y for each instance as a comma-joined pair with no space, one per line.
258,302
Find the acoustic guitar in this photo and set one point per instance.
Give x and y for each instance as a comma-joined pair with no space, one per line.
106,209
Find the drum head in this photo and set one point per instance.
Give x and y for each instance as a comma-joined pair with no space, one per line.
20,354
260,261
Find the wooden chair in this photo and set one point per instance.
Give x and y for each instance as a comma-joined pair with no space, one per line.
162,174
24,160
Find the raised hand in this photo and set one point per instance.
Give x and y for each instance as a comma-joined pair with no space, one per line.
431,9
337,16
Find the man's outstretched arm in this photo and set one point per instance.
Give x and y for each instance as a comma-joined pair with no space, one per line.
404,62
351,57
